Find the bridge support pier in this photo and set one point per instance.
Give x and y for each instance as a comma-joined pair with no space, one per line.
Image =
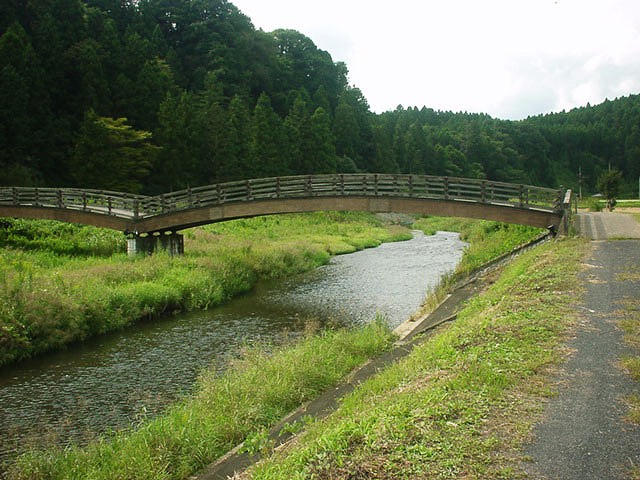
170,242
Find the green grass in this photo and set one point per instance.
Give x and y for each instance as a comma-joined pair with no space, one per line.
252,395
487,241
259,388
628,203
461,404
60,238
629,322
51,297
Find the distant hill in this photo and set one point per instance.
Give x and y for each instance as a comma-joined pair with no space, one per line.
156,95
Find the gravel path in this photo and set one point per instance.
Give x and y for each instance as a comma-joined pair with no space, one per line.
583,435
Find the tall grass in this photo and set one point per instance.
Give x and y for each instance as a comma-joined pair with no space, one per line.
50,297
252,395
487,241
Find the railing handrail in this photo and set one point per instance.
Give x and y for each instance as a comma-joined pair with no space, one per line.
135,207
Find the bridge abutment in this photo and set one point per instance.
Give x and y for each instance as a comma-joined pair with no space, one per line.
172,243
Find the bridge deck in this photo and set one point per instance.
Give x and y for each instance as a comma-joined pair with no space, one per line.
373,192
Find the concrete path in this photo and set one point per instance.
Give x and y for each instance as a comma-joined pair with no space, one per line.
607,225
584,435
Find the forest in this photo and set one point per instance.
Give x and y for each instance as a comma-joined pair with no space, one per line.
150,96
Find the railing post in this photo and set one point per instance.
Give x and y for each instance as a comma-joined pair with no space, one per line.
59,198
136,208
483,191
411,185
84,201
558,203
277,187
248,187
16,196
342,184
375,184
109,205
308,186
37,199
445,189
521,195
189,197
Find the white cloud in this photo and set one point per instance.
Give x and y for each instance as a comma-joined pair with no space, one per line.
508,58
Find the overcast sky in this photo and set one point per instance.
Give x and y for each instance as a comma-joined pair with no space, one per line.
507,58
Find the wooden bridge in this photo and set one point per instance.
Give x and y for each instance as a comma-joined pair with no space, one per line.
150,220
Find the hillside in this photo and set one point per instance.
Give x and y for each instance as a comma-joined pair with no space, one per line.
153,96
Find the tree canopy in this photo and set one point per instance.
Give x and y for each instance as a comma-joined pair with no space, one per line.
158,95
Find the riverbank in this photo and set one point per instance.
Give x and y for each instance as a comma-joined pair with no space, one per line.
62,283
63,464
462,403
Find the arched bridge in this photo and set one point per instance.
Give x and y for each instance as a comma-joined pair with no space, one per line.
171,212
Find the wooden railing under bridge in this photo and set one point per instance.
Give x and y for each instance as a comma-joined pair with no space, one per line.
171,212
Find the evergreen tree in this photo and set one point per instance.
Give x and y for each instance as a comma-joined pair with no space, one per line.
298,127
269,144
323,152
237,164
180,137
212,127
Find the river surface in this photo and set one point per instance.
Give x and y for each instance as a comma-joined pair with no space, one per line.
120,379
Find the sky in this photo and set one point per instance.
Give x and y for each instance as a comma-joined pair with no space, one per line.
508,58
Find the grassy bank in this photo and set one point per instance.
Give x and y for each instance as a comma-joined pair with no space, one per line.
252,395
259,389
463,401
487,241
61,283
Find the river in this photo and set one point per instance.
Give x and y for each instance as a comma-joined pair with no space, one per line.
119,379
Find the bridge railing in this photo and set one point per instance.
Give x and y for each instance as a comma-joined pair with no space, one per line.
382,185
103,202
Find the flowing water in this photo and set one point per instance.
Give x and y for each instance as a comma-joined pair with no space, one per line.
119,379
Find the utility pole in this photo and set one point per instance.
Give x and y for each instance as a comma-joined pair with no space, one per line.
580,182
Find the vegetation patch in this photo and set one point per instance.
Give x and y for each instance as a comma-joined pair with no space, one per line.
252,395
631,274
51,295
629,322
487,241
462,402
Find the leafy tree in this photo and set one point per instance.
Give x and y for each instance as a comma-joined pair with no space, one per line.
109,154
609,185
